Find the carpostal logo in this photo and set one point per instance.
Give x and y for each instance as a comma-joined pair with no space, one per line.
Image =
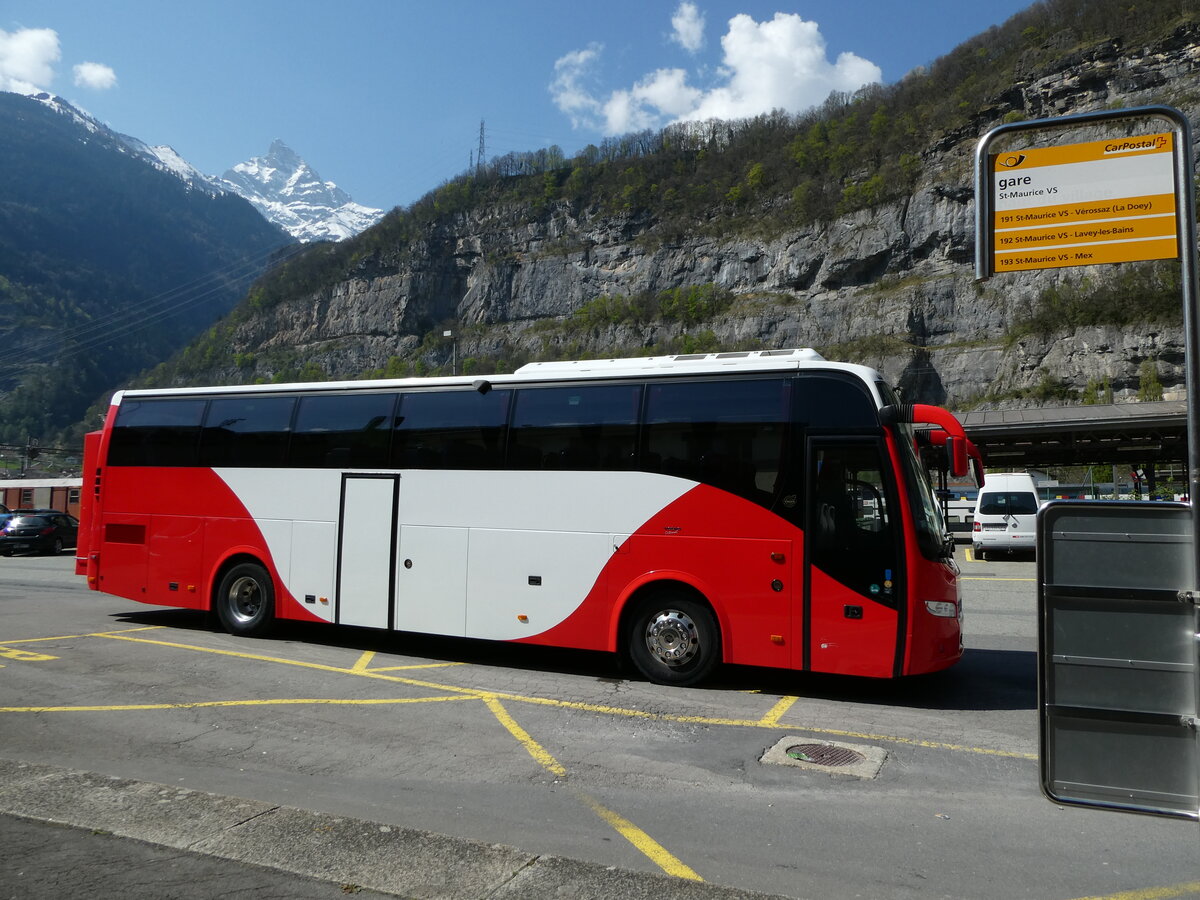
1151,143
1012,160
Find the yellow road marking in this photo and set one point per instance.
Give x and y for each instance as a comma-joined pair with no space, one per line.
1156,893
24,655
363,661
440,665
544,758
640,840
202,704
72,637
771,719
993,578
765,722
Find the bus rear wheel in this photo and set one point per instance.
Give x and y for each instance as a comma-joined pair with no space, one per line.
246,600
673,638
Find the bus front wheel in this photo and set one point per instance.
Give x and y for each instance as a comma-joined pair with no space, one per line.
673,638
246,600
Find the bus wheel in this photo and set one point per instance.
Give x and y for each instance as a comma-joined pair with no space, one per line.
246,600
673,638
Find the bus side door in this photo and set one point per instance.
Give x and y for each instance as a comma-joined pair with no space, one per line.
853,611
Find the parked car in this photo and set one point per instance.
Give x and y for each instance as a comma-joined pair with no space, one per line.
1005,514
43,533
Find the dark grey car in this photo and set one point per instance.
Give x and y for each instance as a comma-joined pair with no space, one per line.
49,532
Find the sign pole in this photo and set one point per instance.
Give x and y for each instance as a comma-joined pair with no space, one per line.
1068,205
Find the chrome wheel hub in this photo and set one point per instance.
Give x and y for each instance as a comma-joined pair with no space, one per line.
245,598
672,638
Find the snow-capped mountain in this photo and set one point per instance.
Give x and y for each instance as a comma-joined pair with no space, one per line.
281,186
288,192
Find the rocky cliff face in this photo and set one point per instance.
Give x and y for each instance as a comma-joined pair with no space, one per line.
892,287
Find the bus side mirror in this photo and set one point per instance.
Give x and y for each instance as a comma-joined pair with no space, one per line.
956,455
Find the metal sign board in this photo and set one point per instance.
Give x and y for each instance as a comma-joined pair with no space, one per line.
1083,204
1118,682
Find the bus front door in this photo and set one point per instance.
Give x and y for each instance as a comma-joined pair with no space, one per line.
852,617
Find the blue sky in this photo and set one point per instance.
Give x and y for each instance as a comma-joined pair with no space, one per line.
385,97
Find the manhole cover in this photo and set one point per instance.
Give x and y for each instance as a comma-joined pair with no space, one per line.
834,758
825,754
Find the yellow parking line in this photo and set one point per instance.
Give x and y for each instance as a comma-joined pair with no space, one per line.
438,665
544,758
642,841
1156,893
24,655
203,704
583,707
655,851
71,637
363,661
771,719
992,578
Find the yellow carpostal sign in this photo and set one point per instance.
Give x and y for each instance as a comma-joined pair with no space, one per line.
1081,204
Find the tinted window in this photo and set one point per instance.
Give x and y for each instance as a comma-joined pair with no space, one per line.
725,433
342,431
579,427
833,402
851,530
451,430
246,431
1017,503
156,433
29,522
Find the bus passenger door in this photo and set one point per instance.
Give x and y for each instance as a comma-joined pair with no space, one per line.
853,613
366,550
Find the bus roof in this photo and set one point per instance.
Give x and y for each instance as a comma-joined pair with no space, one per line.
584,369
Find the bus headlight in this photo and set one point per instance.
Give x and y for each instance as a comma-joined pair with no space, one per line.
943,608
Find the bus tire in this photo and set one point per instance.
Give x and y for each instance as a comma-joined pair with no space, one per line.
245,600
673,638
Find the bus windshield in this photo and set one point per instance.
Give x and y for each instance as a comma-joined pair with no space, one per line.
927,515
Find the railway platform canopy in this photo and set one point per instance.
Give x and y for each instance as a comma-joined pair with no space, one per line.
1153,432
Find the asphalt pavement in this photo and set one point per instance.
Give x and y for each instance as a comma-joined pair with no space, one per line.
71,834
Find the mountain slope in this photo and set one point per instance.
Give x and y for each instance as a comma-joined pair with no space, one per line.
108,261
286,190
848,229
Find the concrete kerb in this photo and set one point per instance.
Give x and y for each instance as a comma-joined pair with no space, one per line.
373,855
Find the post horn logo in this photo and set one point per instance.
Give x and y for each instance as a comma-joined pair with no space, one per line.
1011,162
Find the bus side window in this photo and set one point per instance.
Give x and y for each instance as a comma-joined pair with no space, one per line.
156,433
461,429
246,431
582,427
349,431
728,434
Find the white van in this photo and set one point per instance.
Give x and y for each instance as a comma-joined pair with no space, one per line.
1005,514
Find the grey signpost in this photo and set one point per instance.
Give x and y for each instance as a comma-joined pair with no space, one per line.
1118,593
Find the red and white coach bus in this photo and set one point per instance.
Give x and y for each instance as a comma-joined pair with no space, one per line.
765,508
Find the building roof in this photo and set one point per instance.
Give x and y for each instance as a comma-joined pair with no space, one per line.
1111,434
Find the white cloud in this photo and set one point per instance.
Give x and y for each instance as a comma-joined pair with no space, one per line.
569,90
662,93
27,59
780,64
777,64
688,25
93,75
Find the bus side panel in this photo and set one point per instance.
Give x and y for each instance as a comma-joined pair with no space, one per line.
174,576
147,545
685,542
